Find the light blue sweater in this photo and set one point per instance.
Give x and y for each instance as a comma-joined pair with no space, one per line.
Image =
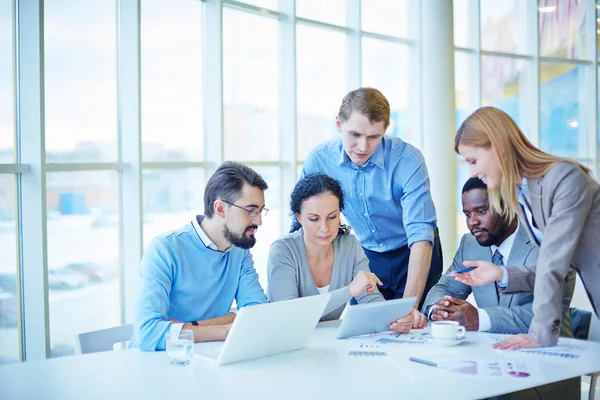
184,280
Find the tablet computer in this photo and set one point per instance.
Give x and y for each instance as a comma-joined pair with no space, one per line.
363,319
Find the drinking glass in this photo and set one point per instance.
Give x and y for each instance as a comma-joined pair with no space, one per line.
180,347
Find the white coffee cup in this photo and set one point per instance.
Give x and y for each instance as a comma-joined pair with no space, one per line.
447,330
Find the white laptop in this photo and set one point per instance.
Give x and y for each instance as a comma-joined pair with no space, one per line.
362,319
267,329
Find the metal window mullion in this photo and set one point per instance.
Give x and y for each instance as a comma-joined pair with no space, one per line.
29,78
592,82
14,168
67,167
213,84
288,107
354,45
130,153
533,80
251,9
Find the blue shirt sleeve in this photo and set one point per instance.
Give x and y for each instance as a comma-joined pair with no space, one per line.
418,211
249,290
156,273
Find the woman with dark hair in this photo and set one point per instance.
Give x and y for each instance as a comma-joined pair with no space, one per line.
319,256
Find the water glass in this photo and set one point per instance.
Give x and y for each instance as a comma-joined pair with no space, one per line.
180,347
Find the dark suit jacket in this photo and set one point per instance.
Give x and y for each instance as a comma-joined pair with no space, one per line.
512,313
566,208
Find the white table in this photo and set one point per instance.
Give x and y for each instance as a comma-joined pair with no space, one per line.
321,371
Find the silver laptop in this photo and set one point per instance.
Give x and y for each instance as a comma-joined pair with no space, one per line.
267,329
362,319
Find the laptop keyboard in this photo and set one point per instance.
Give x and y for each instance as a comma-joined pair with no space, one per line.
209,352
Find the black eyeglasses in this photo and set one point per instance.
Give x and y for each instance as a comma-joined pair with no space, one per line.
252,212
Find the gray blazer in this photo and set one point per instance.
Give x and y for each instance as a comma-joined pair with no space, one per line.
289,274
513,313
566,208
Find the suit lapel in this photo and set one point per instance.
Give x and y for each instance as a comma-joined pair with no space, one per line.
518,255
535,190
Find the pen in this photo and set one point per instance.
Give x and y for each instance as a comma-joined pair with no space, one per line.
425,362
460,271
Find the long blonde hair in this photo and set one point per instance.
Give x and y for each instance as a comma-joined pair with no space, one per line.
490,127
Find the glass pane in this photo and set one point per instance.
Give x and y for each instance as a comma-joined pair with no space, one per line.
251,86
562,109
331,11
270,230
9,304
80,39
83,255
172,198
461,23
463,96
320,92
504,85
171,81
462,175
504,26
562,29
598,27
269,4
389,17
386,67
7,111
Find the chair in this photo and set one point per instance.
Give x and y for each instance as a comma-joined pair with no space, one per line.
104,339
594,336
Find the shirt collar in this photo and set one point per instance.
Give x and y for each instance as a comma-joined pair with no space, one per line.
506,246
378,158
203,236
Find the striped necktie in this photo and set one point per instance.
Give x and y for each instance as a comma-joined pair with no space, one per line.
497,259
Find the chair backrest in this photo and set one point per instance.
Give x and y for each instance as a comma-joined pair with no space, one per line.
104,339
594,334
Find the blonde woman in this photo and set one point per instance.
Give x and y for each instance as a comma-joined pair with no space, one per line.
558,202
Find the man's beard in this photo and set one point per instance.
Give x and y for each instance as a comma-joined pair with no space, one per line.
243,241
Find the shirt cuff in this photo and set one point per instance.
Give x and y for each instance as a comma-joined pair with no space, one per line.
504,282
429,312
485,324
175,329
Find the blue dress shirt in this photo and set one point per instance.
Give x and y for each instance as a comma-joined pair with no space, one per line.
387,200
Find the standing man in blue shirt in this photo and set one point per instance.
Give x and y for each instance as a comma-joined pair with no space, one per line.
190,276
388,203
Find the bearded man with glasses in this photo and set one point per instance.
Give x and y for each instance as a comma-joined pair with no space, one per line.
191,276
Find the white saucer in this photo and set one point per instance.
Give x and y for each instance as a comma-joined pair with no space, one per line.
443,342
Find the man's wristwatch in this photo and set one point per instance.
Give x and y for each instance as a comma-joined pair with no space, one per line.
195,323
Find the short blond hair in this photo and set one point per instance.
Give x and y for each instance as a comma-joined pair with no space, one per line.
490,127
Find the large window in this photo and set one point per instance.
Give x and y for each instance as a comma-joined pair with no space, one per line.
386,67
9,304
504,85
332,11
83,255
7,123
504,26
9,300
388,17
171,79
80,59
321,80
562,109
250,87
171,199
